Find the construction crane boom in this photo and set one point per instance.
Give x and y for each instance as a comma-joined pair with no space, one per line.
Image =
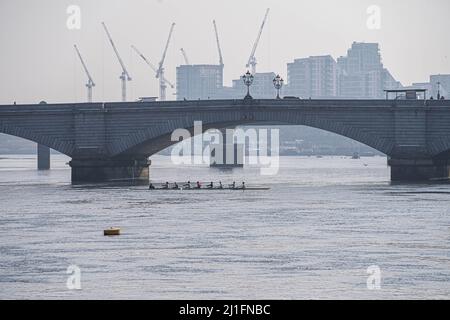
161,63
151,65
84,66
117,52
90,82
218,43
145,59
125,76
186,60
252,58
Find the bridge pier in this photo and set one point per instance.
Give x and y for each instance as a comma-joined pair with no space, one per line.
418,170
129,171
43,157
230,155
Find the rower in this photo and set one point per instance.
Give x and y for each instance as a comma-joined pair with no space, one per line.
243,185
166,185
151,186
211,185
187,185
220,185
199,186
233,185
175,186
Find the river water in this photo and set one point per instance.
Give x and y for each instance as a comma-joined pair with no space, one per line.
312,236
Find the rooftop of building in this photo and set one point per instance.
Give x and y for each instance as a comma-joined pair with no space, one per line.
327,56
200,66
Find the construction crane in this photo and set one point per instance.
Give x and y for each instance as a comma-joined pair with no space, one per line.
252,59
90,82
160,71
152,66
186,60
218,43
124,76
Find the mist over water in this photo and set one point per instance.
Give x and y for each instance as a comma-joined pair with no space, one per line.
313,235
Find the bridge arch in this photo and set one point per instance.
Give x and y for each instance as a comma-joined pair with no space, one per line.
28,134
148,141
439,147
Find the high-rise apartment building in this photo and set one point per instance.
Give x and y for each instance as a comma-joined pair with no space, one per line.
202,81
314,77
361,73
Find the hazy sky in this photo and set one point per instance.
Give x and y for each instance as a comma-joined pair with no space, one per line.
38,60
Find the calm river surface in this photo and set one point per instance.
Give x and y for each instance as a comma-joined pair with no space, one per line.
313,235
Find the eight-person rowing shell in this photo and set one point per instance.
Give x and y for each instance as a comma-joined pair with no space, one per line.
198,186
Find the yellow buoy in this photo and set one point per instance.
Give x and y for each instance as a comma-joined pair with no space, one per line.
111,232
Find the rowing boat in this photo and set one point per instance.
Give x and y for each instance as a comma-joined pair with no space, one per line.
211,189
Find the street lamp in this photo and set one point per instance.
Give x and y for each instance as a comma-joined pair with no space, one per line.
278,83
248,80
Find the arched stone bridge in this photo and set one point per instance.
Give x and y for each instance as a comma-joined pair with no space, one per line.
109,141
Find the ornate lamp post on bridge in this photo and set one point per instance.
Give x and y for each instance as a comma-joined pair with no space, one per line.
248,80
278,83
